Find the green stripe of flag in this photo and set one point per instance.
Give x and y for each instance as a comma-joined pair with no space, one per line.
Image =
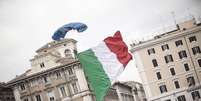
98,79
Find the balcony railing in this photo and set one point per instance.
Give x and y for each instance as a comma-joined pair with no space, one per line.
193,87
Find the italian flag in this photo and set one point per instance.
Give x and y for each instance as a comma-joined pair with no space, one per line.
103,63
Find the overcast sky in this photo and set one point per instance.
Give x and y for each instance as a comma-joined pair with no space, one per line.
26,25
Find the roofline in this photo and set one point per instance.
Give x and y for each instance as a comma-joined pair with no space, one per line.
45,54
159,40
133,82
11,83
119,83
56,44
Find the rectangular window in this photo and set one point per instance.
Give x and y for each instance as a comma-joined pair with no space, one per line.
172,71
151,51
181,98
199,62
186,67
176,83
42,65
75,53
35,82
75,89
22,87
168,58
191,81
196,50
46,79
178,43
70,71
50,95
26,99
158,74
165,47
155,64
63,91
51,99
58,74
182,54
195,95
193,38
38,98
163,88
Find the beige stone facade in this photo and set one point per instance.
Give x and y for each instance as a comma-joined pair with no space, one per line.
6,93
56,75
137,90
170,64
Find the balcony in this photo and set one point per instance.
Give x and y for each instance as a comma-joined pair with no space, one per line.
48,84
193,87
72,77
23,92
36,88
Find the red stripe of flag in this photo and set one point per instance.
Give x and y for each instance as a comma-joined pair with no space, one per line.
118,46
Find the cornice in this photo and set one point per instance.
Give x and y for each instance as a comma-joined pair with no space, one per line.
43,55
54,44
39,74
169,36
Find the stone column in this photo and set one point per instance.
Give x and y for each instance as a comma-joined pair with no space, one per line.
87,98
16,94
82,82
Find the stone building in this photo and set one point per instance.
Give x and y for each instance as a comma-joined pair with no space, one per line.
170,64
137,90
6,93
124,92
56,75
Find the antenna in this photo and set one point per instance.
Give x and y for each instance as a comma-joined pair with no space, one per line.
199,20
173,16
132,43
190,15
164,30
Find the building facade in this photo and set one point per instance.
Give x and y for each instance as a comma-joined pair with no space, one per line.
6,93
137,90
170,64
55,75
120,92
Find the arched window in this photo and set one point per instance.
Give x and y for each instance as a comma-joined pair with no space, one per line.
67,53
